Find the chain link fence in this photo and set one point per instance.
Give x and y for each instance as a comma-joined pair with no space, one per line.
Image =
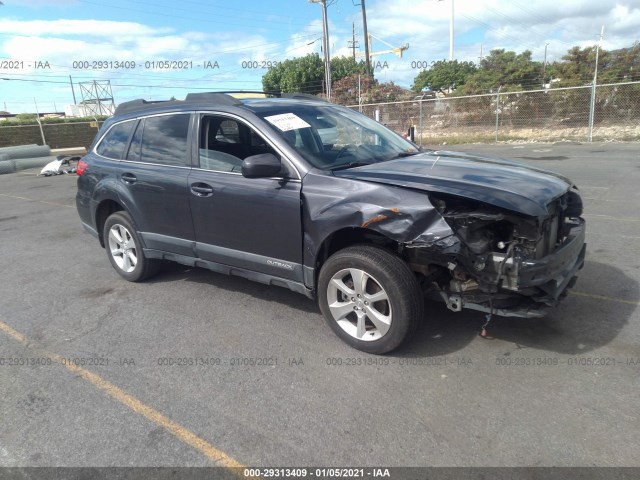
547,115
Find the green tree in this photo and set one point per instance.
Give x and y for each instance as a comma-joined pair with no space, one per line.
342,67
577,68
306,74
515,71
626,62
302,74
444,74
578,65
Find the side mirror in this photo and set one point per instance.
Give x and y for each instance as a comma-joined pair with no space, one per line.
262,165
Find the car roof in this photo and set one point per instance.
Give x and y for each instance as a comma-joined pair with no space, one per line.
203,100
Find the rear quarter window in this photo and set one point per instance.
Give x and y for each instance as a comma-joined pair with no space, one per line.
115,141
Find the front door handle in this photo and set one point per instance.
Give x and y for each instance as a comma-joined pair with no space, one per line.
129,178
201,189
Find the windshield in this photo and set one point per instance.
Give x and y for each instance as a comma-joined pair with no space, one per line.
332,137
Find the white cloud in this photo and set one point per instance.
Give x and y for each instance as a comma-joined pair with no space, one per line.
72,28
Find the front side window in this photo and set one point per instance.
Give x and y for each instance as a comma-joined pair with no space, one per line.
115,141
164,140
226,142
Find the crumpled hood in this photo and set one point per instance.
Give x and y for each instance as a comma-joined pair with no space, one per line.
514,186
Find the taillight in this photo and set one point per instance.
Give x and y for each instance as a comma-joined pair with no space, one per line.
82,166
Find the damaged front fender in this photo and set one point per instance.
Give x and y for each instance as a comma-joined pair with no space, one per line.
405,216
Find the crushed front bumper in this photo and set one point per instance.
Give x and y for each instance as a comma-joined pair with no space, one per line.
555,272
531,286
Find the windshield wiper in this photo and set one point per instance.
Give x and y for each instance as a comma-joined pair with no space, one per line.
350,165
404,154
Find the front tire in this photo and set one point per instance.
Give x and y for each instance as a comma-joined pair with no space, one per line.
370,298
124,249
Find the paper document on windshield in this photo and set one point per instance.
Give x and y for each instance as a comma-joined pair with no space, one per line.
287,121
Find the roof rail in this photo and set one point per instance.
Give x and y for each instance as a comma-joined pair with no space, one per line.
303,96
223,98
138,104
271,93
217,97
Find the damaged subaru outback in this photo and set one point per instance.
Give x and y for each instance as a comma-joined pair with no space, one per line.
293,191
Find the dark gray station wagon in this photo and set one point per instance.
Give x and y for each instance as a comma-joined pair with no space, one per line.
300,193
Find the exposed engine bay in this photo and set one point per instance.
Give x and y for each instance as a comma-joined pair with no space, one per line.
502,262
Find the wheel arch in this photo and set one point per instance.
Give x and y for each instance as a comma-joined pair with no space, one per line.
104,209
347,237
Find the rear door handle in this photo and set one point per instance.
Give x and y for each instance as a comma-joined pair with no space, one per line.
129,178
201,189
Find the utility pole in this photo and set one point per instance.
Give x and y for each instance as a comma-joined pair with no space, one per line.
593,87
44,142
325,46
353,44
480,57
366,38
73,91
359,96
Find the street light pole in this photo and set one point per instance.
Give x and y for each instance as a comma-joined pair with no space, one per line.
592,106
450,30
451,34
325,46
544,66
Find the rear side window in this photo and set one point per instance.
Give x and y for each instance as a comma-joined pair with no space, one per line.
115,141
164,140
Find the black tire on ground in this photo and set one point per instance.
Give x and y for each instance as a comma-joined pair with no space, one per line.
385,276
125,240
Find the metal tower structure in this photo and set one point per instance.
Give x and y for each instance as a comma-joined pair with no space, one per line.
97,98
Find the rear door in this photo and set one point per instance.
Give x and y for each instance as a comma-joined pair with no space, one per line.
155,174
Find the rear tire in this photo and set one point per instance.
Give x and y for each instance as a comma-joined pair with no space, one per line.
124,249
370,298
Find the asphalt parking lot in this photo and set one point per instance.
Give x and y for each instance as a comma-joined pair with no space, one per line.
100,372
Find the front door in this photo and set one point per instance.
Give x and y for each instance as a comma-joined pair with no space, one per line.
249,223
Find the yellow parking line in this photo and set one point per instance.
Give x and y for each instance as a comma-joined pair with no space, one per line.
219,457
604,297
34,200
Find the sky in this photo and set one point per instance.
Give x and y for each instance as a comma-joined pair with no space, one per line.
217,46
